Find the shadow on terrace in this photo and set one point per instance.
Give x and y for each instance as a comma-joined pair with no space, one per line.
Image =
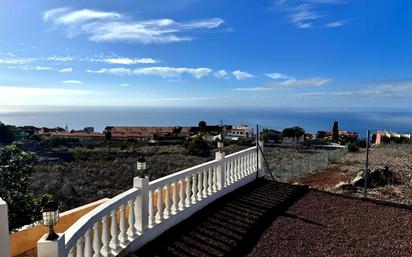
231,226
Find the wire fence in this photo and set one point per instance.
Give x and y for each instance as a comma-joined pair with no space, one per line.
301,163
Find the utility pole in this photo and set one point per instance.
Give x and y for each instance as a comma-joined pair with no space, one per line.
366,173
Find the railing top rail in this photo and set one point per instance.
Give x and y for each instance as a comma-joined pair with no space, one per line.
233,155
80,227
182,173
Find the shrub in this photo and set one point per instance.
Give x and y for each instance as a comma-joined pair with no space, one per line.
15,169
353,148
198,147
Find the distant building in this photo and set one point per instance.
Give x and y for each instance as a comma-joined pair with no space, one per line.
242,131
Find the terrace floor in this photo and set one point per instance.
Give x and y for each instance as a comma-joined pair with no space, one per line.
273,219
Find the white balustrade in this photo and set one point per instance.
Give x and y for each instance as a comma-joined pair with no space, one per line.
138,215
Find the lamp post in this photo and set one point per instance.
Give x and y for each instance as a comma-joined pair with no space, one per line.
141,166
50,215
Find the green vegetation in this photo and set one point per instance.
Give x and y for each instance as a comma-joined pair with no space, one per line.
15,169
293,132
270,135
6,135
335,132
198,147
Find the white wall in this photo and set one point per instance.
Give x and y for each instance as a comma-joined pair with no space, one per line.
4,229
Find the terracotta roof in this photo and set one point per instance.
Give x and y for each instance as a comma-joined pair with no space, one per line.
143,132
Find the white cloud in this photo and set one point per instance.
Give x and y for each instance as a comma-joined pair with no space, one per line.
335,24
252,89
221,74
146,60
239,75
306,14
125,84
40,68
13,61
79,16
114,71
128,61
276,75
60,58
114,27
72,81
65,70
172,73
290,83
303,83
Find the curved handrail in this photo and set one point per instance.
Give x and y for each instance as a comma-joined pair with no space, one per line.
79,228
171,177
234,155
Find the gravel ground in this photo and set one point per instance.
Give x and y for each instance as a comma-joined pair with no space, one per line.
272,219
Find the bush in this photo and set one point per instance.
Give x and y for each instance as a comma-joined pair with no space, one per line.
198,147
246,141
6,135
353,148
15,169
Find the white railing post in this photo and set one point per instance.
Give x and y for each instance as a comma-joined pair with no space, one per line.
4,229
221,170
47,248
141,204
262,170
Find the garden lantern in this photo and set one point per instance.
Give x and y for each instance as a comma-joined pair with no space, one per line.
220,145
141,166
50,215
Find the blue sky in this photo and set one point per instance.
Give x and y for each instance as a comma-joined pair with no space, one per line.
282,53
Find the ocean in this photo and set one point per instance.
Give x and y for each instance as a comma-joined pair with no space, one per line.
312,120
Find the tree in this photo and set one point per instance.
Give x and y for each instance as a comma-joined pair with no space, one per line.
198,147
202,126
294,132
108,135
335,132
15,169
6,135
270,135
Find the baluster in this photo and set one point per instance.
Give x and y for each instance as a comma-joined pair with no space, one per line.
131,231
159,205
215,179
194,189
88,250
105,236
151,209
231,172
188,189
175,204
235,170
72,252
205,183
97,243
181,194
79,247
123,226
199,186
249,162
210,182
241,170
167,202
114,230
244,166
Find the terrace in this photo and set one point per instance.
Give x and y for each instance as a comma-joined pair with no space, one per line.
225,207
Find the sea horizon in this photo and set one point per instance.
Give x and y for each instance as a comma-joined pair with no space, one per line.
311,119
